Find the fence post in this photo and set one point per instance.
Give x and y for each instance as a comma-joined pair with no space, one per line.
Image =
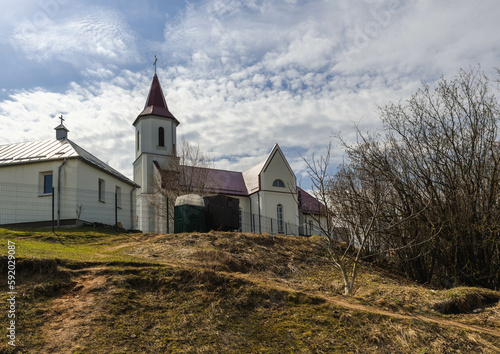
271,226
53,204
168,218
286,228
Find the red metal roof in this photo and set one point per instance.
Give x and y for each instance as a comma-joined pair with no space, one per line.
155,103
233,183
308,204
217,181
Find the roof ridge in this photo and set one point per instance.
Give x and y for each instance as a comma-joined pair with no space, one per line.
106,166
213,169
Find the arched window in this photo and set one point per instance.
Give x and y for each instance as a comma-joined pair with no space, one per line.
138,141
161,136
279,216
278,183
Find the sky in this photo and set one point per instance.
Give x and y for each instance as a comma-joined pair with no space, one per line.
240,76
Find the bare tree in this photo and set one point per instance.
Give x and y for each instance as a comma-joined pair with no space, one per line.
440,150
189,173
357,208
79,211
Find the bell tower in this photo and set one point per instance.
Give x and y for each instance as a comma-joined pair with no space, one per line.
155,144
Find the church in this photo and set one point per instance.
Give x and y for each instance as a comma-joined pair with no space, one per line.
269,198
57,181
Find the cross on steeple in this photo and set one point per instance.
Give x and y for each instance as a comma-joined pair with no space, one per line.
156,59
61,130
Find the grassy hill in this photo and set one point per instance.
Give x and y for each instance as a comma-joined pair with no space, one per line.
97,291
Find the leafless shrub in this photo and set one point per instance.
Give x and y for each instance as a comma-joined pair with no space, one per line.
425,192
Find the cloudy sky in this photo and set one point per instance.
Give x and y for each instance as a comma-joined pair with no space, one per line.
240,76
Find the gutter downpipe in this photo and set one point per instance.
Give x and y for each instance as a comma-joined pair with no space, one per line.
258,202
251,215
132,226
59,192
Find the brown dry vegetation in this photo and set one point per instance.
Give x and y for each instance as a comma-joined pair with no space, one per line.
231,292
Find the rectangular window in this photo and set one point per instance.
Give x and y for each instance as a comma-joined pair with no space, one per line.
45,183
279,216
118,192
161,136
101,190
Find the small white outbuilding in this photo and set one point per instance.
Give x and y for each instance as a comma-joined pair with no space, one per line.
58,180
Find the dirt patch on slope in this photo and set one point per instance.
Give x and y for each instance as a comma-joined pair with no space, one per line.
144,239
342,302
69,318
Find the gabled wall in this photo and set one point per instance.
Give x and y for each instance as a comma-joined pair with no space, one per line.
277,168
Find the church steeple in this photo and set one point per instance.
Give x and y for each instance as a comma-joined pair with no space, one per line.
156,104
155,145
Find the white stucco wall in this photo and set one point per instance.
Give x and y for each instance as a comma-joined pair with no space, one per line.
147,151
270,196
97,209
21,191
270,201
244,203
318,223
22,200
147,127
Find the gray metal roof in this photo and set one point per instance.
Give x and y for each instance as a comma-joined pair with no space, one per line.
49,150
251,177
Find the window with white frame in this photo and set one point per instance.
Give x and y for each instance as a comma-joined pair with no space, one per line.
46,183
101,190
278,183
279,216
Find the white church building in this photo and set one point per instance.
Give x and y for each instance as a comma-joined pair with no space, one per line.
269,198
57,181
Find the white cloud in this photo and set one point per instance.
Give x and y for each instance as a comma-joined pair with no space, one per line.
242,76
293,72
99,117
99,34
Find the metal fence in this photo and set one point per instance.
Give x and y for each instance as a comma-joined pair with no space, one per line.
262,224
24,204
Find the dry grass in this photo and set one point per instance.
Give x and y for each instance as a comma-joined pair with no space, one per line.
230,292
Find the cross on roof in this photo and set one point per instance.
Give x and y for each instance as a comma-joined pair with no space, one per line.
62,119
156,59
